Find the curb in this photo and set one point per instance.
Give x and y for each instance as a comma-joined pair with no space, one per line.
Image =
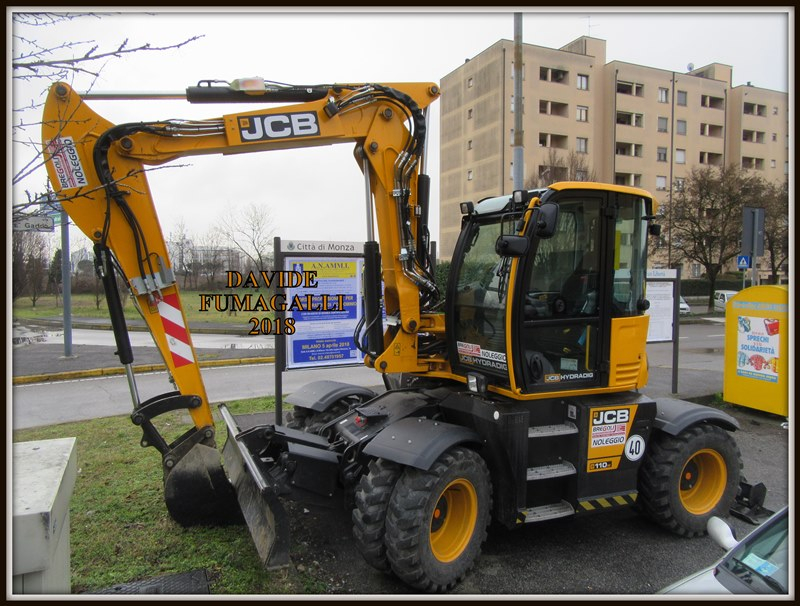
136,326
107,372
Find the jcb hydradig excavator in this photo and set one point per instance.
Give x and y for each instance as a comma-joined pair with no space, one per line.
516,399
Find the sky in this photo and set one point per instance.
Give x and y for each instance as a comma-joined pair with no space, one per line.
318,193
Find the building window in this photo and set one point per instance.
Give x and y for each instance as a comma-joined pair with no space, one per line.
583,82
681,100
582,114
469,175
630,88
680,156
469,144
696,270
469,114
552,74
581,175
662,124
774,110
661,154
512,104
679,184
680,127
470,82
772,163
661,183
523,71
663,95
582,145
775,137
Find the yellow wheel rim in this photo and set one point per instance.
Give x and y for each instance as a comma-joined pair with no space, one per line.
703,481
453,520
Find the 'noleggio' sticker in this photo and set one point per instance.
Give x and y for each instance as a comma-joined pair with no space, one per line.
67,163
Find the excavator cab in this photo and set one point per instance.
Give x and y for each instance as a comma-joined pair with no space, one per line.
547,293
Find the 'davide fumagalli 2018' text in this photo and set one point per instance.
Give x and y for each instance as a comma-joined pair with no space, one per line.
234,302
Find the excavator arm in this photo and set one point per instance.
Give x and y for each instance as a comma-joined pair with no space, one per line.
99,172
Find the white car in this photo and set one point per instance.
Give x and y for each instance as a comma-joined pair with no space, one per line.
721,298
683,307
757,565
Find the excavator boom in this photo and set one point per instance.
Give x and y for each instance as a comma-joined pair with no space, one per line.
98,171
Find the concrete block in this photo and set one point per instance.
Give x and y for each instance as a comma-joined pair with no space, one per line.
44,474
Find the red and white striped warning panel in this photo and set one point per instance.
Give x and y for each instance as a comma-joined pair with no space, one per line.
177,336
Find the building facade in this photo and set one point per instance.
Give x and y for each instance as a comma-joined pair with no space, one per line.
588,119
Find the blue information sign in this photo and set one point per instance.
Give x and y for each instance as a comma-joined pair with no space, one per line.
743,261
324,328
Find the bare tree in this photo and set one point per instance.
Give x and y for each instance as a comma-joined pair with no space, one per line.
558,167
776,227
212,256
707,217
30,253
251,232
76,61
182,252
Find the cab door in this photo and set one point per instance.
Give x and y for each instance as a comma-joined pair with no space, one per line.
563,290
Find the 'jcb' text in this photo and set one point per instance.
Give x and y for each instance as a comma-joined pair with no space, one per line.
606,417
278,126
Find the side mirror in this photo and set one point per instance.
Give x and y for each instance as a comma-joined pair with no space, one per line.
511,246
721,533
546,220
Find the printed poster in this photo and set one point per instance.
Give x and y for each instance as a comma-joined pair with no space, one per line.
325,337
758,348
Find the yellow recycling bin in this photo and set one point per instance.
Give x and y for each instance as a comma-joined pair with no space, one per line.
757,349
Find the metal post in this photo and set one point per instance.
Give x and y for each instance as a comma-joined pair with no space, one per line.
66,284
754,257
280,343
519,154
676,323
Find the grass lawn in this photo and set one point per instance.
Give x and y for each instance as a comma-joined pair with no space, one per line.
121,531
85,306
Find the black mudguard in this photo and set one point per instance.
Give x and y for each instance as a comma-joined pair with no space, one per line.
673,416
418,441
319,396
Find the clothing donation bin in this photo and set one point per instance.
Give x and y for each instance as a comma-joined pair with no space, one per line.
757,349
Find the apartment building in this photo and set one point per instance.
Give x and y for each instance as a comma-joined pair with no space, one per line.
588,119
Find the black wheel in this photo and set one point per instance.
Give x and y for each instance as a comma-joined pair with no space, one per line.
369,516
686,479
437,520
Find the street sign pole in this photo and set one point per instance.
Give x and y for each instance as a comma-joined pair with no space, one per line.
66,285
754,280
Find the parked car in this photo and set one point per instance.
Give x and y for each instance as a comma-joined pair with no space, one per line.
683,307
758,564
721,297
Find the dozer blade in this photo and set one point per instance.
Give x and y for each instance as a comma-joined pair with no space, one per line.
196,489
265,515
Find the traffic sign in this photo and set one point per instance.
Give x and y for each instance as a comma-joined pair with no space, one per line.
34,223
743,261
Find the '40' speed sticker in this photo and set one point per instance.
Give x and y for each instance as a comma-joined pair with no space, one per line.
634,448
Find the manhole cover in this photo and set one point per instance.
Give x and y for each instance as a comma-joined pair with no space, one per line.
184,583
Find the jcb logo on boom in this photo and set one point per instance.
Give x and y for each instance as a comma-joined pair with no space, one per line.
609,417
278,126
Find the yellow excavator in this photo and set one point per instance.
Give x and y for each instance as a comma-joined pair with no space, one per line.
513,396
